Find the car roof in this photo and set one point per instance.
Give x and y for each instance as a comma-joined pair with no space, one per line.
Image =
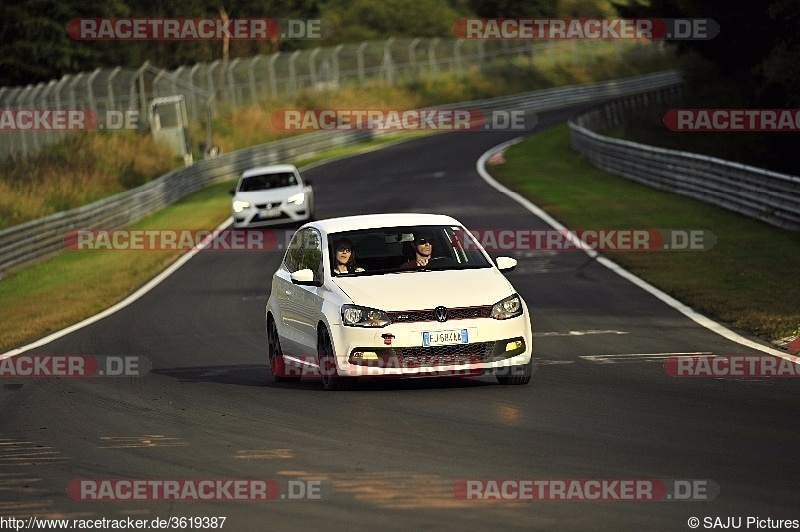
374,221
273,169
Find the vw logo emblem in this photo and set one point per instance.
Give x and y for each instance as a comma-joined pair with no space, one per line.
440,313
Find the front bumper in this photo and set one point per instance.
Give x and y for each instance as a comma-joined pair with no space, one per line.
285,213
398,350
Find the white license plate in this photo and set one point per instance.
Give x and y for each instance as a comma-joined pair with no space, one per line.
445,337
269,214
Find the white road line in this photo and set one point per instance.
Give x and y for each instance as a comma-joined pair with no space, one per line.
690,313
578,333
637,357
155,281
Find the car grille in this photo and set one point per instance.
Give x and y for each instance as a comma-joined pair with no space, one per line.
415,357
461,313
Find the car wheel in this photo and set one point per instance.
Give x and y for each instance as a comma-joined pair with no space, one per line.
331,381
517,374
277,364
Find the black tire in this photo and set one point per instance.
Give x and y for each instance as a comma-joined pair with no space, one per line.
331,381
277,365
516,375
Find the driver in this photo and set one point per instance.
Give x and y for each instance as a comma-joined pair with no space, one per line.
423,247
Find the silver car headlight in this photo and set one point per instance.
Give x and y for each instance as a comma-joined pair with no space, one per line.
239,205
510,307
357,316
297,199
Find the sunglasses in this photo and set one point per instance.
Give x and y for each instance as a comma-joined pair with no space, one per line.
346,250
420,241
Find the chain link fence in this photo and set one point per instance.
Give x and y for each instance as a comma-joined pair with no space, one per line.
118,98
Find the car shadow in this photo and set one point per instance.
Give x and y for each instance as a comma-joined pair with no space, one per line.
259,375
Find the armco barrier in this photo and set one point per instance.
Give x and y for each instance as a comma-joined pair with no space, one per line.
36,239
768,196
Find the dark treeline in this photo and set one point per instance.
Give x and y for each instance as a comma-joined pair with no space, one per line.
757,46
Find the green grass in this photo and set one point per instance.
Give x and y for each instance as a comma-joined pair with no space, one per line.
747,280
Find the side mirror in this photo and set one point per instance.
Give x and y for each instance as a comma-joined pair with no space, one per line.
506,264
232,191
304,277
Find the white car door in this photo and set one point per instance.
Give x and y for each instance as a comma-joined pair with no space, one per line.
307,297
300,305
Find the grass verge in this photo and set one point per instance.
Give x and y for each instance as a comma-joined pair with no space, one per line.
747,280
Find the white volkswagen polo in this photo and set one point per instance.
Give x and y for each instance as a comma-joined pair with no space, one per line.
402,295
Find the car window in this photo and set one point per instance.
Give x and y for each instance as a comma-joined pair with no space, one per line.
312,253
267,181
294,252
391,249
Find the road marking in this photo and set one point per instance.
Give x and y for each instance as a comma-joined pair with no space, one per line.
578,333
637,357
690,313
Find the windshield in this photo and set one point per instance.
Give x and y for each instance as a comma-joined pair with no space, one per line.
267,181
404,249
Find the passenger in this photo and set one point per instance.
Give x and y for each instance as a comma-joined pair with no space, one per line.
344,258
423,247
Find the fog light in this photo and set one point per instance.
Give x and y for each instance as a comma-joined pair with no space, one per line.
513,346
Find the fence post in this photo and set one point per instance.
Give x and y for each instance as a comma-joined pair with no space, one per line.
251,77
192,72
293,73
434,65
231,83
360,61
273,81
388,64
335,62
110,88
312,67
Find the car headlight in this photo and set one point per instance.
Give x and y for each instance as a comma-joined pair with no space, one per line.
239,206
297,199
510,307
356,316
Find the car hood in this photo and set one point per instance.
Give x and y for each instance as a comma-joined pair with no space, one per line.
415,290
274,195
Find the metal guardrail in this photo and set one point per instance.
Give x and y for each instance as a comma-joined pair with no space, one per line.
768,196
37,239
